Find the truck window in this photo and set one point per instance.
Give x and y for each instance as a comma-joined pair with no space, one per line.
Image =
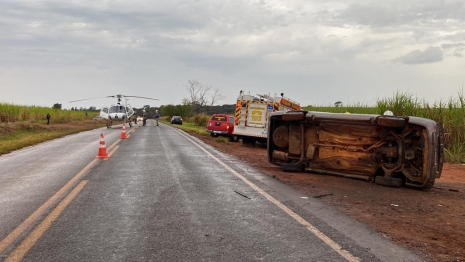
219,118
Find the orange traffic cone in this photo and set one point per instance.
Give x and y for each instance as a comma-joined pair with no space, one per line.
102,151
123,132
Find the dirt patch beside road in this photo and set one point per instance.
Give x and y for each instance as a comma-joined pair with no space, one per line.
430,223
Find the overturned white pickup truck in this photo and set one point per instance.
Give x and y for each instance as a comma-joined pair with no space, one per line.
388,150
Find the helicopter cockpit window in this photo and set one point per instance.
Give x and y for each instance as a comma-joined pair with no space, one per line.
117,109
105,110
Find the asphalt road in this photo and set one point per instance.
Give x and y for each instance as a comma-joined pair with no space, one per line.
165,196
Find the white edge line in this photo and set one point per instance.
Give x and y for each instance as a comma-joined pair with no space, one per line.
336,247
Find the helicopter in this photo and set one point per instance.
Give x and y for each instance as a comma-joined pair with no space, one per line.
118,112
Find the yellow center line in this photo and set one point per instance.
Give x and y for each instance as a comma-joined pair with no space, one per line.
45,206
112,152
331,243
34,236
34,216
114,144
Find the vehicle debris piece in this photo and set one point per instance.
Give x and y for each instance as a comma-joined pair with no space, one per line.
242,194
323,195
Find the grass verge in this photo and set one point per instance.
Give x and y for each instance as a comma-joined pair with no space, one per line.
189,127
14,136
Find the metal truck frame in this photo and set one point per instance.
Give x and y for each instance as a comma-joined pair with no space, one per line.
252,113
389,150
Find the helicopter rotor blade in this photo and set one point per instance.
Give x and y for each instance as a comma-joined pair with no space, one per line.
114,96
142,97
86,99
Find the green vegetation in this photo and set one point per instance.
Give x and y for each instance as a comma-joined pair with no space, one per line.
201,120
222,139
10,113
15,136
188,127
22,126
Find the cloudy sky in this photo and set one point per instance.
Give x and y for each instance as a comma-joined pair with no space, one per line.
315,51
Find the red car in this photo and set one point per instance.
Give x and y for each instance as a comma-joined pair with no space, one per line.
222,125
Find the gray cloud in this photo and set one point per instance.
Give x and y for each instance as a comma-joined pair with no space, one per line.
418,34
457,36
454,45
395,13
264,45
429,55
454,49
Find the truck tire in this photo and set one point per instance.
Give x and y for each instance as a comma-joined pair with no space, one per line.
281,137
248,140
233,138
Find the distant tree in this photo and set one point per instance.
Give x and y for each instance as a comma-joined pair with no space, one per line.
201,95
72,108
168,110
338,104
183,111
92,108
216,95
56,106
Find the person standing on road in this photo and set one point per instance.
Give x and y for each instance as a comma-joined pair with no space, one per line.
157,116
48,119
144,117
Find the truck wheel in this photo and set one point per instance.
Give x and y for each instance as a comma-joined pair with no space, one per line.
248,140
429,184
388,181
233,138
281,137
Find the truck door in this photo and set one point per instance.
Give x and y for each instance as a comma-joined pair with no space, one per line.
104,112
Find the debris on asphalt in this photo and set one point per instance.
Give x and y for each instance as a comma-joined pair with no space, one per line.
330,194
242,194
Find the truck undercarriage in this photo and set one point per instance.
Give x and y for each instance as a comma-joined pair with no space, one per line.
388,150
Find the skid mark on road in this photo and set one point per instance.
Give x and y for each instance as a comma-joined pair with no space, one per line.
335,246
